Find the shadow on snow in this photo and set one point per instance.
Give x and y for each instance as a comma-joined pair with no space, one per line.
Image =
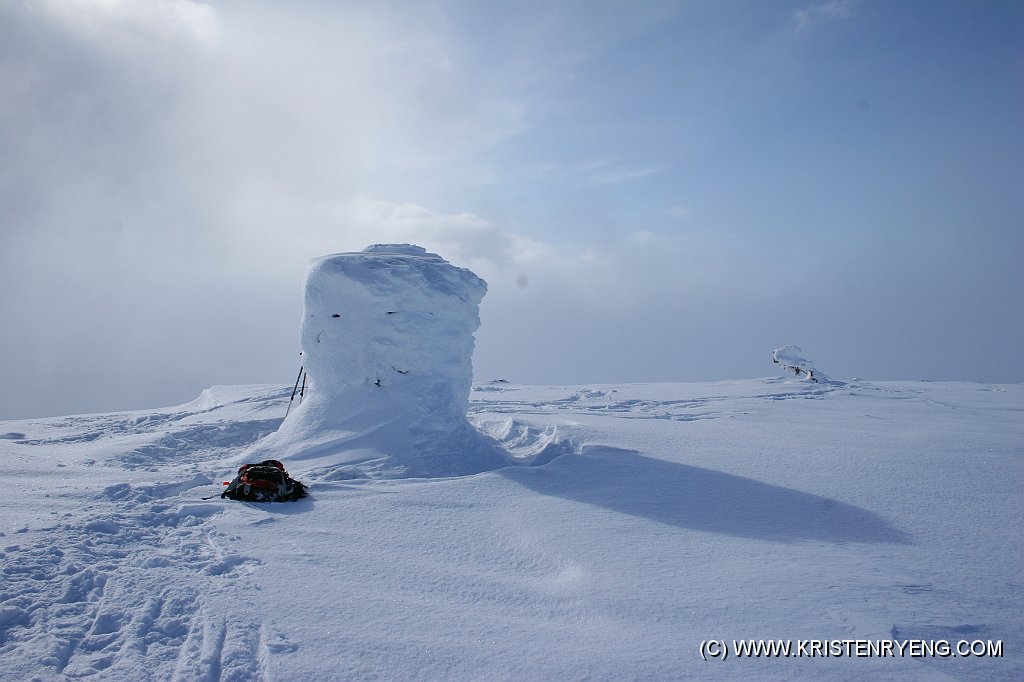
702,499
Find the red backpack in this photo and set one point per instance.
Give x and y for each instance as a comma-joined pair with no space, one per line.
264,482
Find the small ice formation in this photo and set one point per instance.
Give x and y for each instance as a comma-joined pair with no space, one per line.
387,345
791,359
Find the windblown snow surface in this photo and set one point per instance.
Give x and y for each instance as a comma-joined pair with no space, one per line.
654,517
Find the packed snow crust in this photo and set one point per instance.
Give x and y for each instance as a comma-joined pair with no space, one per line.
387,346
756,509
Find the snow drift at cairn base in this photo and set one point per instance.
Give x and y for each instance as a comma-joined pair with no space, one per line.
387,345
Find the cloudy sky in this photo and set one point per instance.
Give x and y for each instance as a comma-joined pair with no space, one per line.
655,191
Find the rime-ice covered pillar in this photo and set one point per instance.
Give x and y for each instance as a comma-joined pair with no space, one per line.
387,342
394,321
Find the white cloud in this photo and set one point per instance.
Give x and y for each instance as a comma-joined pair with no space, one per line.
680,213
822,13
136,23
460,237
617,175
597,172
504,258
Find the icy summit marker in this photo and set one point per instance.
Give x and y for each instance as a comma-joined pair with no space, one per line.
791,360
387,343
391,317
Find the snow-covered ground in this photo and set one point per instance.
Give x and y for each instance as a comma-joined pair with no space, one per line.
675,513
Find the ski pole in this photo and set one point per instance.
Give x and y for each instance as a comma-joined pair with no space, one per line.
296,388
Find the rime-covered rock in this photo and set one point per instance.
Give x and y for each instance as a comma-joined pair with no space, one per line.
387,342
791,359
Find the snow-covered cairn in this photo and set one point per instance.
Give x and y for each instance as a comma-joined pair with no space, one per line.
790,359
387,343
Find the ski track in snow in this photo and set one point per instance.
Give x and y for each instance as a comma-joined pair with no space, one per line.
129,594
138,581
125,595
